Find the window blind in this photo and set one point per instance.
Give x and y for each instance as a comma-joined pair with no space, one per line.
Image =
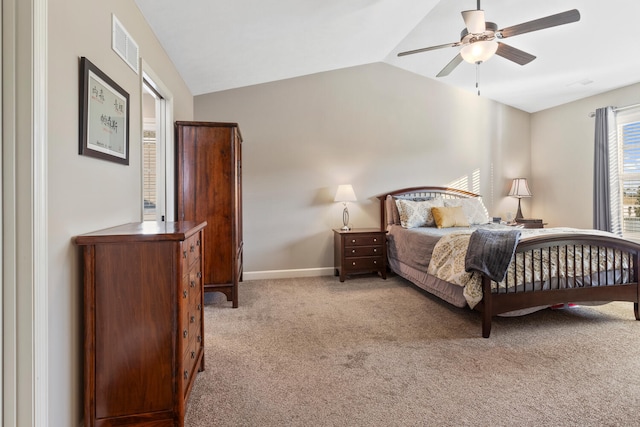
629,166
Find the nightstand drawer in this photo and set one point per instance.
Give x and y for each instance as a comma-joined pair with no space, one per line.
363,264
360,251
364,240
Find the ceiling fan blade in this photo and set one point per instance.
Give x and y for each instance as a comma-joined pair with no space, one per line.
540,24
450,66
426,49
512,54
474,20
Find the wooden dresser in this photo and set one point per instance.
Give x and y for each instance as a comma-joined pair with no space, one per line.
209,188
143,322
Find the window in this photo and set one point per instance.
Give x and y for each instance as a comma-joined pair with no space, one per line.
153,143
628,130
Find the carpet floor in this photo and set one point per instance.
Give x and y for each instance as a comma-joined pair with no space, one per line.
373,352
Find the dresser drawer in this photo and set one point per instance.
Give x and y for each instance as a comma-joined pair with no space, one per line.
191,250
360,251
363,240
353,265
195,331
191,326
188,367
195,284
193,348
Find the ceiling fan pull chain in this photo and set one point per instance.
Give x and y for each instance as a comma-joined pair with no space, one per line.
478,77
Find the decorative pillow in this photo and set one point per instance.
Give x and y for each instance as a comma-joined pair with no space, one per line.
393,216
473,208
417,213
446,217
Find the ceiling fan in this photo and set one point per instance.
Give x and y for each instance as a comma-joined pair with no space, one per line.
479,40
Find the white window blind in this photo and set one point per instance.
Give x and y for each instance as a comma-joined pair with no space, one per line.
628,127
149,150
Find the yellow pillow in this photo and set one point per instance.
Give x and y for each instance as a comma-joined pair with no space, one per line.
449,217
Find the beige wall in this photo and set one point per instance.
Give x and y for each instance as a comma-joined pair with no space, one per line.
562,158
376,127
86,194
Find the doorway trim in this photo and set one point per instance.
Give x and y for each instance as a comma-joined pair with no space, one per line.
166,117
24,301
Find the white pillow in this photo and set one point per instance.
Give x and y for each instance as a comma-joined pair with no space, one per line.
417,213
473,208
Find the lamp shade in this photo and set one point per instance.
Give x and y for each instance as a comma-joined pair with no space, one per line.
479,51
345,193
520,188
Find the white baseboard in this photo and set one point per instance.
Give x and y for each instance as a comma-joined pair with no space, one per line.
287,274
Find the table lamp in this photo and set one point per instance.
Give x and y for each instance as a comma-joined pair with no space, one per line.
519,189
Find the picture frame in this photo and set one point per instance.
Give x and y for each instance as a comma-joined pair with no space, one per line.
104,116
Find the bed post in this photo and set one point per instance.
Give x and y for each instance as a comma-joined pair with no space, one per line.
487,306
383,213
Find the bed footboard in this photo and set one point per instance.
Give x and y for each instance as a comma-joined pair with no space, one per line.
566,268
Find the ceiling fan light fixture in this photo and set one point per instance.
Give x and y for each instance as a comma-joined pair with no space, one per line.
479,51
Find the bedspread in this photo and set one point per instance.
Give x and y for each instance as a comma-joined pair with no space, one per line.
448,263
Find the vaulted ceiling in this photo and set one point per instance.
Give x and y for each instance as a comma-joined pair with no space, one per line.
225,44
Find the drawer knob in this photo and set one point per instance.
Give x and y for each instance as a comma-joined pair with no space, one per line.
353,251
192,319
353,240
199,338
198,242
354,263
185,333
184,254
186,374
375,240
375,250
185,294
193,283
199,274
375,262
193,354
199,307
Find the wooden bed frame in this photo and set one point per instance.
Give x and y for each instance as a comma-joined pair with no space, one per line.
523,296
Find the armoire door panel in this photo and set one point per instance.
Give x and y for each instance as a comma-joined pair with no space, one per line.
208,182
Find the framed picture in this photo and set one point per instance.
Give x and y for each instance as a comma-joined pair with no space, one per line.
104,116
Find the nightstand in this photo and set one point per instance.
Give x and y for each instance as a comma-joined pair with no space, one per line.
360,250
530,222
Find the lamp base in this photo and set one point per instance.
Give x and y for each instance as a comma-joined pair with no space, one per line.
519,213
345,219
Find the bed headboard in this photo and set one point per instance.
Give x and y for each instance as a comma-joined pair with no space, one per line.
426,192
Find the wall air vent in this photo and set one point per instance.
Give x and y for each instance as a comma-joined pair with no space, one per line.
124,45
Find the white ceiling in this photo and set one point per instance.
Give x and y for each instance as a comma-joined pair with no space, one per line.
225,44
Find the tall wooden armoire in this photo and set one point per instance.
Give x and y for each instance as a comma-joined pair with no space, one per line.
209,188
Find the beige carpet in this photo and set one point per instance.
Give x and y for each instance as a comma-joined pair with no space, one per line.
370,352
